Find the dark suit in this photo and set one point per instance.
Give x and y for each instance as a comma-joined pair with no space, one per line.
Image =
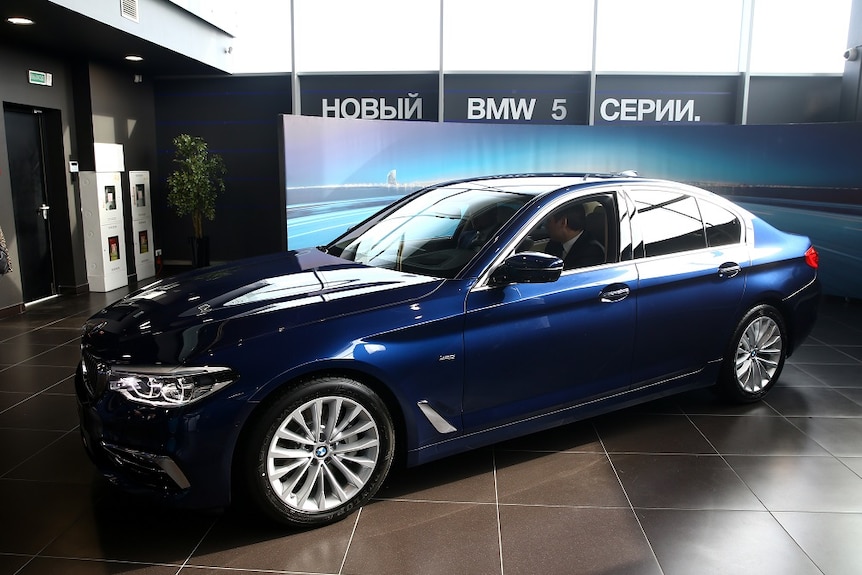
586,251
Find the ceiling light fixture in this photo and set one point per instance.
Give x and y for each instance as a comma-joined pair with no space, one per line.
18,21
134,58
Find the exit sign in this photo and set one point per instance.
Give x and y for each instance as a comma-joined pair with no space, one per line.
41,78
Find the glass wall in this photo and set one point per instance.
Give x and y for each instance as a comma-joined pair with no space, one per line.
605,36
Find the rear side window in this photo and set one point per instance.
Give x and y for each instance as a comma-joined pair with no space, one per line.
721,225
669,221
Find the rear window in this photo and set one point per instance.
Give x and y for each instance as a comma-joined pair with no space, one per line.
721,225
670,222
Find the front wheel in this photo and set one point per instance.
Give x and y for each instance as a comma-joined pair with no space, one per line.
755,356
319,452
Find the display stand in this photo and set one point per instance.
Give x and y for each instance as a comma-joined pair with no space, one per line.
104,232
142,224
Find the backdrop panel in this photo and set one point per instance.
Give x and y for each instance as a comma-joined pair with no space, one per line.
804,178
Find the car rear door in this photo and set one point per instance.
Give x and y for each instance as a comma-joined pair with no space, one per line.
531,348
691,265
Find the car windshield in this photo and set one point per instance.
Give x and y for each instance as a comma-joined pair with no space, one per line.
435,233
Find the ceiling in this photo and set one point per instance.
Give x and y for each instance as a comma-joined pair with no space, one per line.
61,32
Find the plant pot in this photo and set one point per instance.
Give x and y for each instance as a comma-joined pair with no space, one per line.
200,251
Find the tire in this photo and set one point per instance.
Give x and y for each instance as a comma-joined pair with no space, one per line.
755,356
301,478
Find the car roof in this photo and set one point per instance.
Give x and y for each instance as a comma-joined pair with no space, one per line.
539,183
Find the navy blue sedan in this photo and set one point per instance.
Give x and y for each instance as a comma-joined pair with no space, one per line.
465,314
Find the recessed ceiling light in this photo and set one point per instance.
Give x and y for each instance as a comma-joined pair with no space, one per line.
134,58
19,21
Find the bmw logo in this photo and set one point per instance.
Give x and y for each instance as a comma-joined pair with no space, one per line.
321,451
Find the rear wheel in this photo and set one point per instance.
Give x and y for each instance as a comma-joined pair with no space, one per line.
756,355
319,452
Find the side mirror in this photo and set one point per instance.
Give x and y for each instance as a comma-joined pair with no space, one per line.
528,268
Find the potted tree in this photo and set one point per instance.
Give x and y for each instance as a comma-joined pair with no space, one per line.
193,188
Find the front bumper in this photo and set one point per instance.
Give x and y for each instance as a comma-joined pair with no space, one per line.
179,455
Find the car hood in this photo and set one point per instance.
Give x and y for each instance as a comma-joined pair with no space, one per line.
172,319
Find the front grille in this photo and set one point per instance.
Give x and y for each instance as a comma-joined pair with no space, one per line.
95,374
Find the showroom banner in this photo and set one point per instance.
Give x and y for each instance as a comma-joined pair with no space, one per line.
803,178
666,99
517,98
412,97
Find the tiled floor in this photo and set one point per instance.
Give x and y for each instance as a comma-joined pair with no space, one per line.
680,486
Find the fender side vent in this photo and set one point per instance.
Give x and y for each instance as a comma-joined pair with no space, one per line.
437,420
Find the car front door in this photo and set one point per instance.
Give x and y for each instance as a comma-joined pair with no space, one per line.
532,348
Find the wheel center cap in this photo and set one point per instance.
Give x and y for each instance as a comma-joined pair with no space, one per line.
321,451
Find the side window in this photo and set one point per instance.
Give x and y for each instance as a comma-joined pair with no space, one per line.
669,221
722,226
583,232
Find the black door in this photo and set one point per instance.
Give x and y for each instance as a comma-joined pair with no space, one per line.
25,134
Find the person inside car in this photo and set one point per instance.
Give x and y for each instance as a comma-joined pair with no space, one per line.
569,241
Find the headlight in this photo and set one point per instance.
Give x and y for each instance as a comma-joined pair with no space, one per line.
166,386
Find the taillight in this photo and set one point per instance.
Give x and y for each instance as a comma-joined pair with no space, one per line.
812,258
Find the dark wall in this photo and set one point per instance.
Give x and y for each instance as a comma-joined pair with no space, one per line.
122,112
794,99
238,116
56,102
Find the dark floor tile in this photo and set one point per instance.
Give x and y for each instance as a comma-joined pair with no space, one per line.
790,483
650,433
19,445
51,566
819,354
841,436
119,528
245,541
836,376
64,355
794,376
48,336
66,455
44,411
755,436
738,542
10,564
812,402
682,482
397,537
831,540
561,540
832,331
33,378
15,352
34,513
708,402
575,479
11,398
853,463
854,351
854,395
576,437
468,477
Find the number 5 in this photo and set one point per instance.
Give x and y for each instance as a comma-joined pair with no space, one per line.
558,110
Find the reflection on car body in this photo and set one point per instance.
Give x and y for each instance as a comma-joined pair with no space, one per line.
439,324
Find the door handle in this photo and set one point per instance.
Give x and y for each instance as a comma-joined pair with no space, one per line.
615,292
44,209
729,270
